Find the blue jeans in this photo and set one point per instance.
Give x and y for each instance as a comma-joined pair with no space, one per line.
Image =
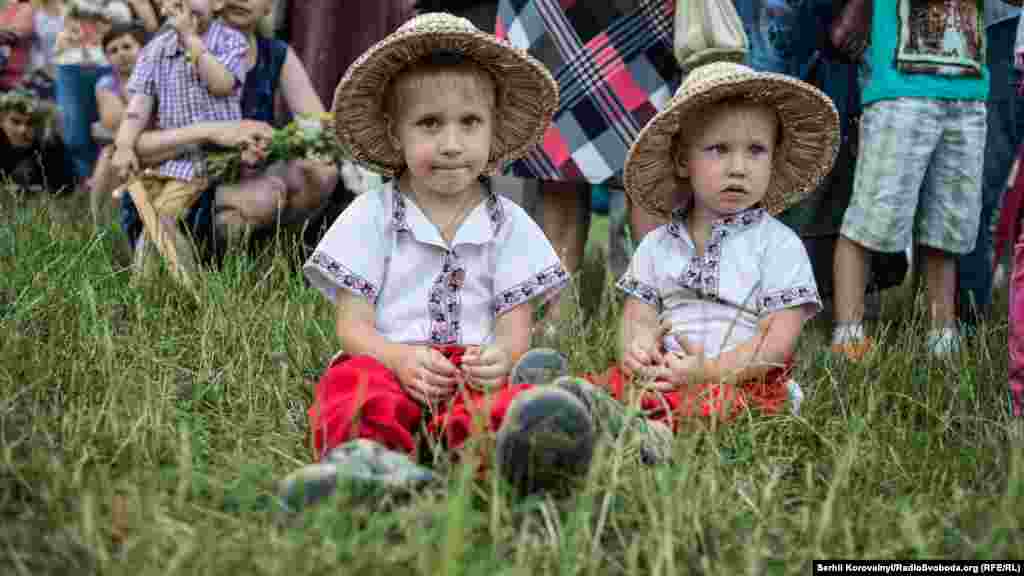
76,98
1005,132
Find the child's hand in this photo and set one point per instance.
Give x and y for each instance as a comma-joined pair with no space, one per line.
183,20
684,369
485,367
643,357
426,375
124,162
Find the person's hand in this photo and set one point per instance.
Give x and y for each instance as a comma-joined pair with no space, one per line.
182,19
685,345
427,376
124,162
684,369
252,137
485,368
1018,59
644,358
241,133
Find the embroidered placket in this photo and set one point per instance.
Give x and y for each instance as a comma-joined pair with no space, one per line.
702,273
445,304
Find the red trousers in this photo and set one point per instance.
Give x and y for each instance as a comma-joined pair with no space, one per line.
359,398
724,401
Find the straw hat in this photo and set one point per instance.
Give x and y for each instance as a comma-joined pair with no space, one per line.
810,136
527,94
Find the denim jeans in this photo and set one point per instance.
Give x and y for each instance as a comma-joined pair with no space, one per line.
76,98
1005,132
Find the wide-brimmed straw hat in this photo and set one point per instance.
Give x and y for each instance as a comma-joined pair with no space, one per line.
803,157
527,94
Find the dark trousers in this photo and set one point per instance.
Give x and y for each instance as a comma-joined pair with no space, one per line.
1005,132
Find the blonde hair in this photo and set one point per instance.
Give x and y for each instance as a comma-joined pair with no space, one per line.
436,67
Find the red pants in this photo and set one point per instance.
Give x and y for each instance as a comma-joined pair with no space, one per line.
724,401
359,398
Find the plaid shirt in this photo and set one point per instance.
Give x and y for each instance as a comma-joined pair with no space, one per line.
615,70
182,98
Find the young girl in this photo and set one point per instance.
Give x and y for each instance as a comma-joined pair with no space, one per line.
432,277
716,300
121,45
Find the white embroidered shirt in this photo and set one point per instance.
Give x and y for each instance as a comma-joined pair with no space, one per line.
752,265
384,248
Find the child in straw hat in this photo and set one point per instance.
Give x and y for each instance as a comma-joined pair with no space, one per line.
433,275
716,299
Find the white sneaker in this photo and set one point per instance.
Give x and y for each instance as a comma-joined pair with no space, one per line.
943,342
796,396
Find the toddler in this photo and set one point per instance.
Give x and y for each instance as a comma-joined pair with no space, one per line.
433,275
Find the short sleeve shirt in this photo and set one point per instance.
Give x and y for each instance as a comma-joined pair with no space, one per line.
385,249
110,83
753,265
927,49
164,72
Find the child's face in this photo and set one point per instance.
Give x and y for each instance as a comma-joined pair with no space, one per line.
729,162
202,10
122,52
245,15
18,129
444,128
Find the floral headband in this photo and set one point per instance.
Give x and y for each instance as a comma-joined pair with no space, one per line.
20,101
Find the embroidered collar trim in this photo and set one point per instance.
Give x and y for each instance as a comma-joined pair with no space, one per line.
731,223
492,206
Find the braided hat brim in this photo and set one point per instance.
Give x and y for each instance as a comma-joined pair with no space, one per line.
527,93
804,156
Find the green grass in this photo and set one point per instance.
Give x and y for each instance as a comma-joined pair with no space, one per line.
142,432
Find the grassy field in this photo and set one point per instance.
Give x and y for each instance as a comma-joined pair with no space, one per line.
142,432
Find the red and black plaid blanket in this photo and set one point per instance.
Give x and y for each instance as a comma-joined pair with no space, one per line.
615,69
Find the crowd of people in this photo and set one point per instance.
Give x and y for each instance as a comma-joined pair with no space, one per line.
755,193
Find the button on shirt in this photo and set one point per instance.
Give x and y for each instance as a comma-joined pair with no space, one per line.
182,98
753,265
385,249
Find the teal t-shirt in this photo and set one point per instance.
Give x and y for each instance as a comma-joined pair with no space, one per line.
927,49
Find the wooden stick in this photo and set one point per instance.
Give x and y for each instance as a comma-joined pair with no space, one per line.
166,243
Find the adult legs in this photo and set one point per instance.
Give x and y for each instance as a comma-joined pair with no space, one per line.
565,219
898,139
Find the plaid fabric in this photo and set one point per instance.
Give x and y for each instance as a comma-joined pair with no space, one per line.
614,66
163,71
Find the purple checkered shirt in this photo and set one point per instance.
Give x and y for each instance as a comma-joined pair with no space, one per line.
182,98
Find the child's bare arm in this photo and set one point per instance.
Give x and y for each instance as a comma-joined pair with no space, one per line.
218,79
422,371
136,118
769,349
639,336
111,109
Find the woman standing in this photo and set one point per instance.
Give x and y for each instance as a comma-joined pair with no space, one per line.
615,69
